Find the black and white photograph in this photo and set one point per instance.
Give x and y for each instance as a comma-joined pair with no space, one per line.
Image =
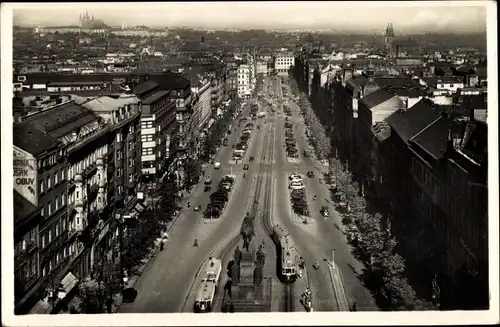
224,163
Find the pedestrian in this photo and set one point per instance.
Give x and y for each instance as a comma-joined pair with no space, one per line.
195,242
354,307
161,246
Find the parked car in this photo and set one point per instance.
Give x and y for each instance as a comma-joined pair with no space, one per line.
225,142
129,294
208,180
297,186
211,213
207,188
310,174
228,178
294,176
245,167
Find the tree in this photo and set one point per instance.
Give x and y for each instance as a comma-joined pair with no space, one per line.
140,240
192,173
88,292
168,204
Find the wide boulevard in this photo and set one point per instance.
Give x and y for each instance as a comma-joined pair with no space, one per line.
166,283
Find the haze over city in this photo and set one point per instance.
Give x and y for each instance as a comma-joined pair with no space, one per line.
457,17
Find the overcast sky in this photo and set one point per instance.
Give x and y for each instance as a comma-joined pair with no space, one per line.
353,16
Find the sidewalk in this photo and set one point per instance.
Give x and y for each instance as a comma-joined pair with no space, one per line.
150,257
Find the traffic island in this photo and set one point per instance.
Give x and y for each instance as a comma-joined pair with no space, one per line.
293,160
302,220
338,287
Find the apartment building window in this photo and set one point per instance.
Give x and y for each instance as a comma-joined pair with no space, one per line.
49,182
49,236
118,172
77,194
49,208
63,225
33,266
130,146
43,241
147,124
56,203
57,229
44,271
56,178
147,151
147,138
119,155
130,162
41,186
131,129
118,137
50,265
130,178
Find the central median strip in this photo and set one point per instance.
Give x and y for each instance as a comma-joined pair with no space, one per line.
338,287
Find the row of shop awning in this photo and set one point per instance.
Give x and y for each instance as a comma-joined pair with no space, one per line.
54,298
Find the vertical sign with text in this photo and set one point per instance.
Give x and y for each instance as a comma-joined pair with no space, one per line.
25,175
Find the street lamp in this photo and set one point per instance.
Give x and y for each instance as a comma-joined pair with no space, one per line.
436,292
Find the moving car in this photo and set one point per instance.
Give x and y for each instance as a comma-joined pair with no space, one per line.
208,180
294,176
324,211
207,188
217,165
310,174
225,142
245,167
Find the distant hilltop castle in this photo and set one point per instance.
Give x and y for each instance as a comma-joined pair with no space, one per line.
90,23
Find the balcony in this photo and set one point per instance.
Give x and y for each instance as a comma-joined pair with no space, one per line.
90,170
181,121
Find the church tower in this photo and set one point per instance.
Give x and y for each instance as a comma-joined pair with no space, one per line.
388,38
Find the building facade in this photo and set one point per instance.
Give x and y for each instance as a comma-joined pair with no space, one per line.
243,81
68,243
283,61
157,128
40,217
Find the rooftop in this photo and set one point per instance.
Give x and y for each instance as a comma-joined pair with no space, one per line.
144,87
106,103
397,82
374,99
409,122
475,143
62,119
154,97
432,139
32,140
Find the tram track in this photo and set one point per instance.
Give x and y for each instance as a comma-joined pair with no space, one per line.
264,186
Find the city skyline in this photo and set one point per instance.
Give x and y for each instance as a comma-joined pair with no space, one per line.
370,17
